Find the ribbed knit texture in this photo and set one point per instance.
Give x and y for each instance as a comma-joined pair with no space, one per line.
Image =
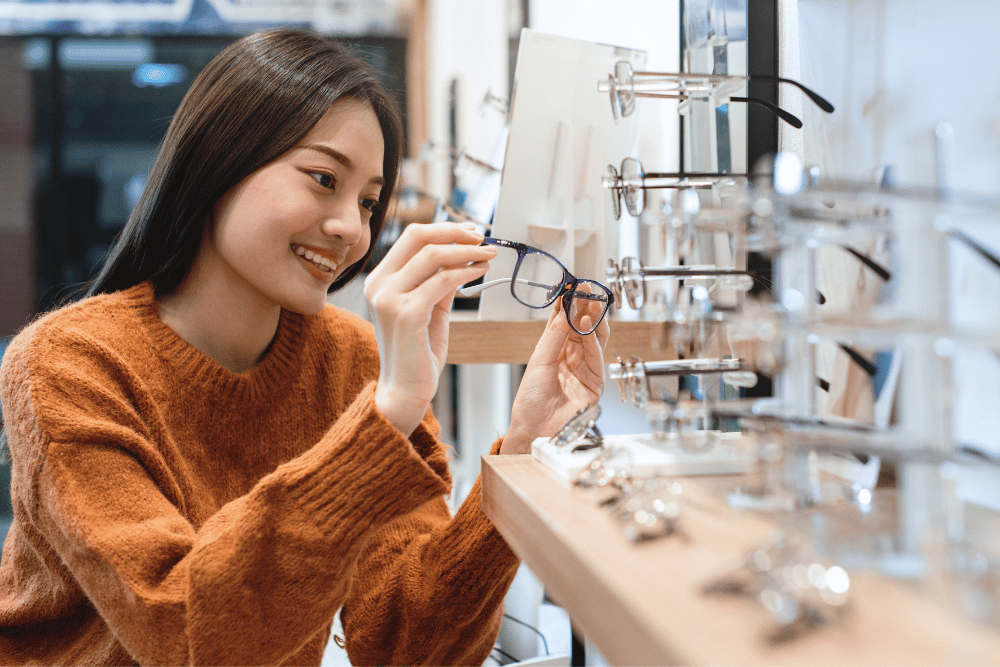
168,511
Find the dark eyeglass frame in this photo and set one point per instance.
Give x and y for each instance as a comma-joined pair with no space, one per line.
567,289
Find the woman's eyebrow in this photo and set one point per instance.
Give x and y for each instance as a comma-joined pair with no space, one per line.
341,158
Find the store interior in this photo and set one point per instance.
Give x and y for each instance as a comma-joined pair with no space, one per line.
795,207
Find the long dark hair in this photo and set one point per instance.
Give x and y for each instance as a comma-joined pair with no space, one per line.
253,102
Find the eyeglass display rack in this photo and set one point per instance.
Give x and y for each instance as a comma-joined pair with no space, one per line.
924,583
912,550
930,554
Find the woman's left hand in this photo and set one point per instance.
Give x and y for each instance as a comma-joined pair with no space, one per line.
565,373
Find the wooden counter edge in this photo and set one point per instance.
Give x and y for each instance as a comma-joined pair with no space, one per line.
566,578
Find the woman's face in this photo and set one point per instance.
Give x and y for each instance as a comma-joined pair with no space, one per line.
283,234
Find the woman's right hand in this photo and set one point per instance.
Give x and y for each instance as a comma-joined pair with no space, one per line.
409,295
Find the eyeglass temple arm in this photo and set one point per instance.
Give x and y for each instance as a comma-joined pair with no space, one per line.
789,118
650,180
692,174
474,290
689,272
817,99
983,251
668,180
773,108
867,366
703,366
880,270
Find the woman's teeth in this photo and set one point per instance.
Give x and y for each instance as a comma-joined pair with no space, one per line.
321,262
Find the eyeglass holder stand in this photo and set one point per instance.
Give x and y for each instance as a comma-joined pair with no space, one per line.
651,456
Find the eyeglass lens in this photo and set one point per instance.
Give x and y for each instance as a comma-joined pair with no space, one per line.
632,187
590,300
625,97
538,279
634,283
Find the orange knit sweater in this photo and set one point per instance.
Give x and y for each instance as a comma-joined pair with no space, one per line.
168,511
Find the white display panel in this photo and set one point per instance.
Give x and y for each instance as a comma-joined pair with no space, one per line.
562,137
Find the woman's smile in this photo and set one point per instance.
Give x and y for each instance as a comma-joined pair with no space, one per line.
317,262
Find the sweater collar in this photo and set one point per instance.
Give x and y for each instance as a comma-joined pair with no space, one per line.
277,367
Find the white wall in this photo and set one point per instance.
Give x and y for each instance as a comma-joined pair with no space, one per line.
895,69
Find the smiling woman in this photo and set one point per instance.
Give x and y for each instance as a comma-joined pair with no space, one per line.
282,236
208,461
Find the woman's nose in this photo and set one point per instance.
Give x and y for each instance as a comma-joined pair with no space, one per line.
346,224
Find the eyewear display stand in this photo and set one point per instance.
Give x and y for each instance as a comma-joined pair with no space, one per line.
629,566
650,456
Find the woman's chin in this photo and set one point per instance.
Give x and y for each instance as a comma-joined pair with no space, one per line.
309,303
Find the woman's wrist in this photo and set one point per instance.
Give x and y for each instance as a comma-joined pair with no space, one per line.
516,442
405,420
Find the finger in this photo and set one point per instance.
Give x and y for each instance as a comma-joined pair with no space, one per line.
554,336
429,261
417,236
415,304
593,349
433,259
603,333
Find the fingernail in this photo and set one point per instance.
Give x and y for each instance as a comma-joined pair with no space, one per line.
471,226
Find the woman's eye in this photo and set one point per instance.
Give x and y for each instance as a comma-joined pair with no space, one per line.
369,204
325,180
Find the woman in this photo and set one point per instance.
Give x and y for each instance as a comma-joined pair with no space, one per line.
207,461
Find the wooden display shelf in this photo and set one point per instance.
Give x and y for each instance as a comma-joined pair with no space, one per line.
474,341
642,604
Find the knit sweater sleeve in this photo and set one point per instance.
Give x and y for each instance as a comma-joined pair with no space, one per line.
430,588
257,580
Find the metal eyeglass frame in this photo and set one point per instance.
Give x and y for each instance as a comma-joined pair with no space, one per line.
630,279
625,85
582,428
567,289
632,374
632,182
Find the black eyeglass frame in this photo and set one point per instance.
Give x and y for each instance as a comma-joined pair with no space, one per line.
567,287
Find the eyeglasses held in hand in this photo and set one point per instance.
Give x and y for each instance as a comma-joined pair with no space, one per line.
539,279
632,183
625,86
